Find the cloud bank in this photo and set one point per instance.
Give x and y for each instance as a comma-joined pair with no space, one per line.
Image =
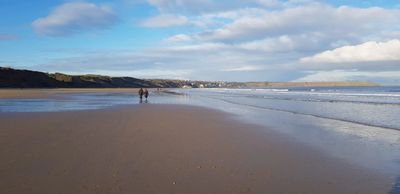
367,52
255,40
75,17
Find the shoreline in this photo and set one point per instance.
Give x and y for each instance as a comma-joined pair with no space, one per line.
45,92
144,148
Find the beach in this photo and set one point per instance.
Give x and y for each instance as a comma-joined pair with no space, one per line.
154,148
200,97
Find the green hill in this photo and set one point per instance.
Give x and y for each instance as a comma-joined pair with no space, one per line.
12,78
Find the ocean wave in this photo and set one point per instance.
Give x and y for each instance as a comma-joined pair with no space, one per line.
348,120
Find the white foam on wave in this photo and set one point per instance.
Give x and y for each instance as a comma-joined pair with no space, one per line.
313,92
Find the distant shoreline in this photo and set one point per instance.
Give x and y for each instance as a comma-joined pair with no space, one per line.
17,79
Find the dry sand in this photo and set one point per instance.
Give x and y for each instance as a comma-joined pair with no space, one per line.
44,93
164,149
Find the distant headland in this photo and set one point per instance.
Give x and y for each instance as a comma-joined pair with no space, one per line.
15,78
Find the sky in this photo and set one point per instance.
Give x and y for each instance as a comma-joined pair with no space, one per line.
219,40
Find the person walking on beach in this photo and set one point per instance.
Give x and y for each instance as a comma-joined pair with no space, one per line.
146,93
141,93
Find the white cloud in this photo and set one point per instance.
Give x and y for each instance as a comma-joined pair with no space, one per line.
282,43
179,38
243,68
155,73
337,23
367,52
235,14
75,17
268,3
165,20
208,6
219,58
204,47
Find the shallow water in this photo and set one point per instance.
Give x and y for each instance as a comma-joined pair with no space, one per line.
359,125
68,102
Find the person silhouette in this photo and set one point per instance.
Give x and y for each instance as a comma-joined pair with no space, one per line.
146,93
141,93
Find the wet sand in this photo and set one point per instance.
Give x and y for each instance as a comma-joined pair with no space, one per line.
46,93
164,149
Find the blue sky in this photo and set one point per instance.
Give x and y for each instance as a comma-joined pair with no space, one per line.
235,40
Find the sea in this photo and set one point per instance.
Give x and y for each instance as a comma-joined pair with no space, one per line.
360,125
